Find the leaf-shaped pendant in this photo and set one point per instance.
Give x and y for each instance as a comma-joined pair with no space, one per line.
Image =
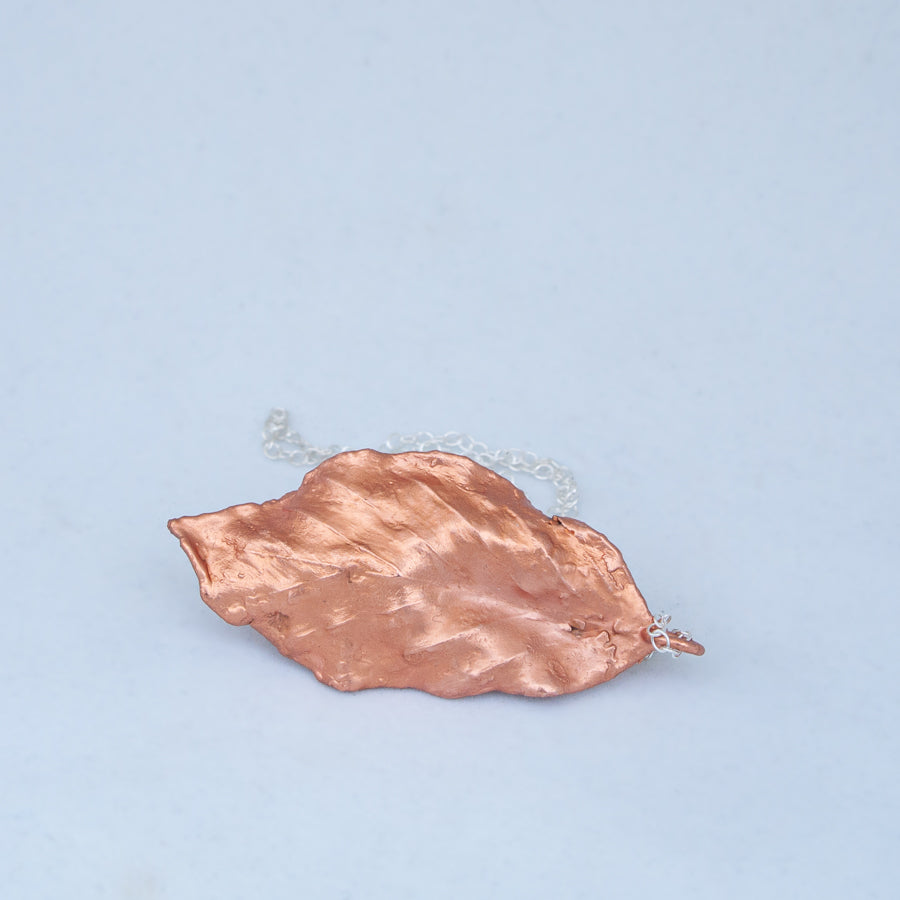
423,570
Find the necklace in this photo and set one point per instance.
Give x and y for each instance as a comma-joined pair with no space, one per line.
420,565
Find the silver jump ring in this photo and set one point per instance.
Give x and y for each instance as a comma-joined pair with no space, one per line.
658,630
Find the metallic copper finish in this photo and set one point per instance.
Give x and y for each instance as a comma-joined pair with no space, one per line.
423,570
685,646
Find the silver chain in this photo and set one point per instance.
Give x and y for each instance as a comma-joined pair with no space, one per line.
279,442
658,631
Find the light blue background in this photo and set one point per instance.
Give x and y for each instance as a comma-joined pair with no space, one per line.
658,242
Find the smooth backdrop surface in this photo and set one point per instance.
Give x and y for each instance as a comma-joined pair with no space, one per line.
656,241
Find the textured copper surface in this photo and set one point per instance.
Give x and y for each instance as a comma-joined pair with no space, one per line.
423,570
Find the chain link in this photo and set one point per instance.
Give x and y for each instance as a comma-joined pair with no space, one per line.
659,631
279,442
